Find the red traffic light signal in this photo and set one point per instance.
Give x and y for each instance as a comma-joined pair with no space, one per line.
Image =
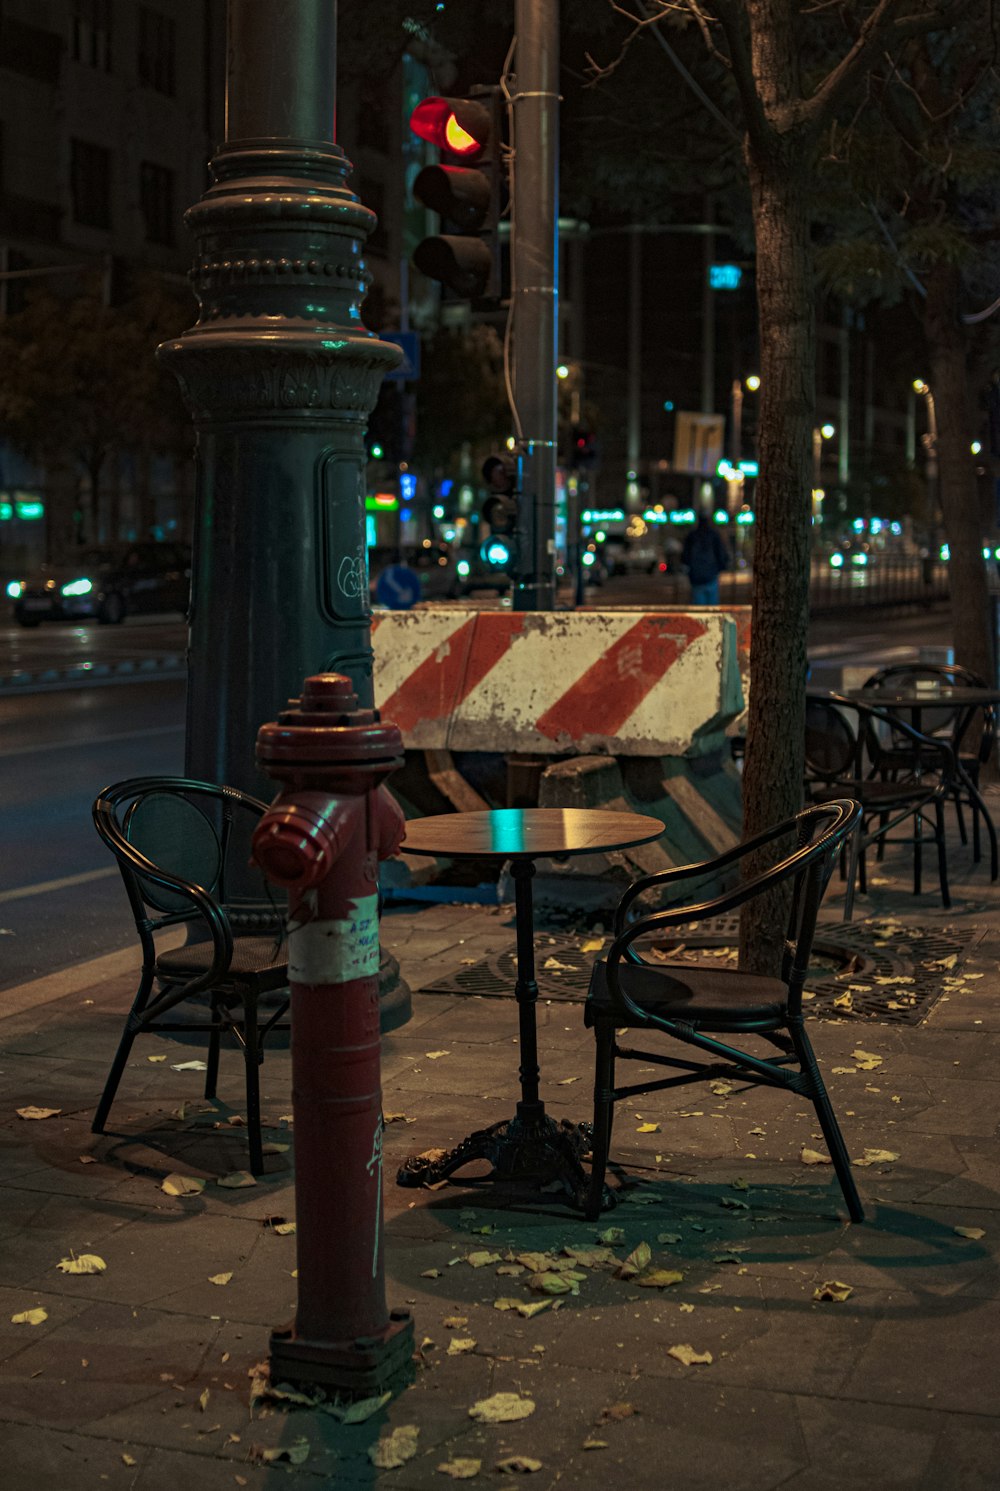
468,198
457,124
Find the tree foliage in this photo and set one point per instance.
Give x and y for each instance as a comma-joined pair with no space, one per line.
78,380
789,73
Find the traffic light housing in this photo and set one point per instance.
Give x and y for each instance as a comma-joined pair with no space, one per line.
500,510
583,447
464,190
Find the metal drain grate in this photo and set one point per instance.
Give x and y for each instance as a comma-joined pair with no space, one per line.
848,960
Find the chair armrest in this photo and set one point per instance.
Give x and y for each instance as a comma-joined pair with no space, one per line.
692,871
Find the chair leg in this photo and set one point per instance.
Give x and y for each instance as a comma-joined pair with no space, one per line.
133,1025
828,1123
977,843
214,1041
960,817
852,872
251,1056
918,842
604,1080
942,850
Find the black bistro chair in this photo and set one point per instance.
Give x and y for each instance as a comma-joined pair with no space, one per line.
956,723
697,1005
173,838
853,749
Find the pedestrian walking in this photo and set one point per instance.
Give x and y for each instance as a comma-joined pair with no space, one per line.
704,557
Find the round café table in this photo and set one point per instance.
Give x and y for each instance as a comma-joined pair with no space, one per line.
529,1151
961,700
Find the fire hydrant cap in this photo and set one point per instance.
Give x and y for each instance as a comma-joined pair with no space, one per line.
324,725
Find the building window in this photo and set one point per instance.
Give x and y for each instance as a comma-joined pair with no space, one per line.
90,184
91,41
156,197
157,51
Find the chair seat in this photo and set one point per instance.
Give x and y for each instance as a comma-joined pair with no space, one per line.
253,959
720,997
876,793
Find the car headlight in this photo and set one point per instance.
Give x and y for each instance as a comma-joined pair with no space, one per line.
15,589
77,587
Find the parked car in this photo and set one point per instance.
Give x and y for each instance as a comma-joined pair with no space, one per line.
111,581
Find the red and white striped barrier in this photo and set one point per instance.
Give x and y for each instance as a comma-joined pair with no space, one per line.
615,682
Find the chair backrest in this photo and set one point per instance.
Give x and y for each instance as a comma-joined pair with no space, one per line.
171,829
833,743
939,719
818,833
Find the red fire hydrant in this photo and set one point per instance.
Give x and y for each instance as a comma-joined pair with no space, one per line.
321,840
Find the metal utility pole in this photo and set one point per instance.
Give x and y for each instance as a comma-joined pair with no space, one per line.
633,439
535,293
280,377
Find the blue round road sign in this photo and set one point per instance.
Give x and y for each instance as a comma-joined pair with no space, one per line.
398,587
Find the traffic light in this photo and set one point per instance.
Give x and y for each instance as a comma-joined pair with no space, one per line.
583,447
464,190
500,510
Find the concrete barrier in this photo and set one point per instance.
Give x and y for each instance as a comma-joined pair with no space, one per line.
626,709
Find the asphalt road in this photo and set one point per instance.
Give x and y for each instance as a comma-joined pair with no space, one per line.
61,897
61,901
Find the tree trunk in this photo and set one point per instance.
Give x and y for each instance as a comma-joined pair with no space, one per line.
949,382
772,778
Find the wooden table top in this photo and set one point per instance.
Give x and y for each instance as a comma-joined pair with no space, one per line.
527,833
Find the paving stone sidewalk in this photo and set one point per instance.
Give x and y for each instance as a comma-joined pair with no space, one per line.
140,1376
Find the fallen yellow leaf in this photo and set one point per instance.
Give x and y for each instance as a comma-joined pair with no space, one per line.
689,1357
86,1263
833,1289
357,1413
813,1157
31,1112
518,1464
973,1233
128,1460
396,1448
283,1229
37,1315
636,1261
877,1157
296,1453
461,1469
481,1258
236,1181
659,1278
526,1308
203,1398
219,1278
648,1128
156,1058
867,1060
460,1345
502,1408
182,1185
433,1055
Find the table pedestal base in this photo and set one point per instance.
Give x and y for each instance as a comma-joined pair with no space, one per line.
530,1153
